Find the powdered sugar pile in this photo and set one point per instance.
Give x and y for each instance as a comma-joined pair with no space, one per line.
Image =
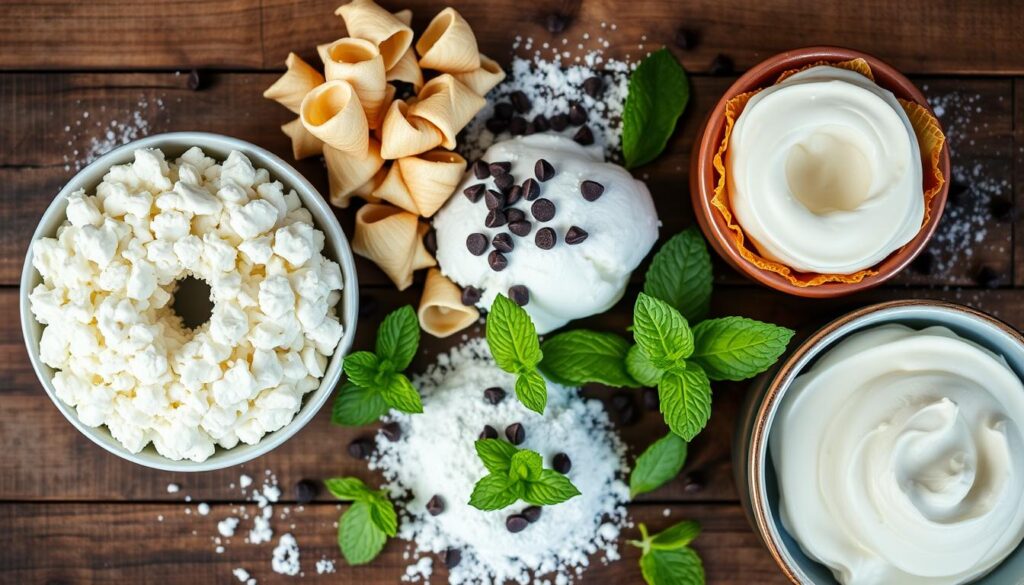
435,456
94,134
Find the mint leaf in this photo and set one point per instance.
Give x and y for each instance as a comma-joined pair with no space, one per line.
676,536
737,348
680,274
672,567
492,492
400,394
685,396
398,337
512,337
382,513
640,367
348,488
549,488
362,368
359,538
661,331
356,406
658,92
532,391
495,454
657,465
525,465
583,357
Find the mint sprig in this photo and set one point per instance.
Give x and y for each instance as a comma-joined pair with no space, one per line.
737,348
365,527
667,558
582,357
375,380
680,275
657,465
512,339
516,474
658,93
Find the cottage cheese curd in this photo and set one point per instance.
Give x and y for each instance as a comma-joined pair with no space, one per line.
825,173
900,458
123,357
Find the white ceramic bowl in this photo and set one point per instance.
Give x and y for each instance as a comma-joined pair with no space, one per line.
336,247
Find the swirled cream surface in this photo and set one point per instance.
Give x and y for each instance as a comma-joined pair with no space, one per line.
900,458
825,173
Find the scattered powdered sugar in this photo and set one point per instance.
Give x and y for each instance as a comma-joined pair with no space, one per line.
286,556
324,566
435,456
94,134
173,488
421,570
227,526
243,576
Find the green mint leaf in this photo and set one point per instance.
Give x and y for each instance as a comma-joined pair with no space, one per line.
359,538
676,536
658,92
583,357
362,368
348,488
680,274
661,331
400,394
685,396
532,391
525,465
382,513
493,492
672,567
512,337
549,488
657,465
356,406
495,454
398,337
641,369
737,348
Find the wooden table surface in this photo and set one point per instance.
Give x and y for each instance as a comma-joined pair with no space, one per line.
74,72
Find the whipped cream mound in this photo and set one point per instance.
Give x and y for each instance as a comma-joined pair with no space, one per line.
124,358
567,281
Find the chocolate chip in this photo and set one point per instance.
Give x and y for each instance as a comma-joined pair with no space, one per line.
988,277
515,433
516,523
621,400
504,182
556,22
519,294
651,400
496,125
577,115
721,65
481,169
543,170
513,215
686,39
367,306
561,463
629,416
625,407
360,448
693,482
494,199
392,431
494,395
514,195
195,82
452,558
520,228
592,86
435,506
543,209
591,190
517,127
489,432
503,243
541,123
497,260
495,218
430,241
545,238
531,189
924,263
575,235
499,168
520,102
559,122
1002,208
584,136
471,295
477,244
503,111
532,513
474,192
306,491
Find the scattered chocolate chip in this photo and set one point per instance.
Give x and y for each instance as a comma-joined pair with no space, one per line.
306,491
561,463
625,407
531,189
481,170
957,190
474,192
514,195
1002,208
504,182
924,263
494,199
686,39
513,215
516,523
591,190
543,170
503,243
721,65
629,416
471,295
517,127
651,400
367,306
577,115
520,228
503,111
988,277
477,244
559,122
392,431
693,482
489,432
592,86
195,82
541,123
496,125
621,400
495,218
499,168
494,395
515,433
519,295
520,102
497,260
435,506
584,136
430,241
452,558
543,209
556,22
532,513
545,238
575,235
360,448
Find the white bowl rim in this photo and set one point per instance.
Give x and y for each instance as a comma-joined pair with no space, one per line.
322,212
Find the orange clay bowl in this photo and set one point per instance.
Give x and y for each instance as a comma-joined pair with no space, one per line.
703,176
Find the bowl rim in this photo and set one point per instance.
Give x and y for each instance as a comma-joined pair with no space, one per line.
811,347
323,219
702,173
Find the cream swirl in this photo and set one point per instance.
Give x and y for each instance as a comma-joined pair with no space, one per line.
900,457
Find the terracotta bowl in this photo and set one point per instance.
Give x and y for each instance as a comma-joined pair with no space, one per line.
703,176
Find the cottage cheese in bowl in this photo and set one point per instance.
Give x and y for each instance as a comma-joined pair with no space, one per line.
120,353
